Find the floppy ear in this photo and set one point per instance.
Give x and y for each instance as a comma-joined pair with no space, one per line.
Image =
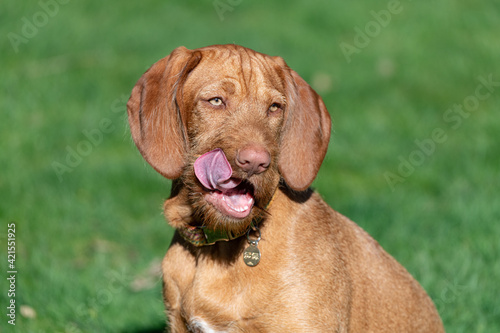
305,136
157,124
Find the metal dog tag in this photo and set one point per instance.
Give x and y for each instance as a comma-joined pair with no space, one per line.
251,255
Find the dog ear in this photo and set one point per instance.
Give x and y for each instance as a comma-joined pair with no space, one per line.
305,135
157,124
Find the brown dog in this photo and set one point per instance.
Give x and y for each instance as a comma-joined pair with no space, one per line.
256,250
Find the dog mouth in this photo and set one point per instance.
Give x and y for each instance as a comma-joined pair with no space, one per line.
236,202
233,197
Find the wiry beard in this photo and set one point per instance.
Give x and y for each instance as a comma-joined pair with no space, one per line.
263,187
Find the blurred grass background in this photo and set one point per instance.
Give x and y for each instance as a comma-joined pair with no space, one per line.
90,239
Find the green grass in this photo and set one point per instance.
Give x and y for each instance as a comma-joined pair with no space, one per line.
88,244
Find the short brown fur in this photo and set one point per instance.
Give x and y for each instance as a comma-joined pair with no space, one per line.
319,271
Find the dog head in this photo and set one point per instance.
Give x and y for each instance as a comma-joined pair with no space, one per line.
228,123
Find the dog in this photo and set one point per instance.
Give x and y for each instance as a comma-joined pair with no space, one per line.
243,136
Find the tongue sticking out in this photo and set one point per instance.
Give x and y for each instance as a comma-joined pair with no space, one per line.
214,172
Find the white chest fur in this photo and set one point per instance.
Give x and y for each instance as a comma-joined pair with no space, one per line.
198,325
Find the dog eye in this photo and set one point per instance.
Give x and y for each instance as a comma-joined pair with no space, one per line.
216,101
274,107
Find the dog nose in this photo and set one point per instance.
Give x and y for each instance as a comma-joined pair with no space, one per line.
253,159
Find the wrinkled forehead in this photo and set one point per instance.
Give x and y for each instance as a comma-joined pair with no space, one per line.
239,71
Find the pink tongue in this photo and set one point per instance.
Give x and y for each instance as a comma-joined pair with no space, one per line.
214,171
